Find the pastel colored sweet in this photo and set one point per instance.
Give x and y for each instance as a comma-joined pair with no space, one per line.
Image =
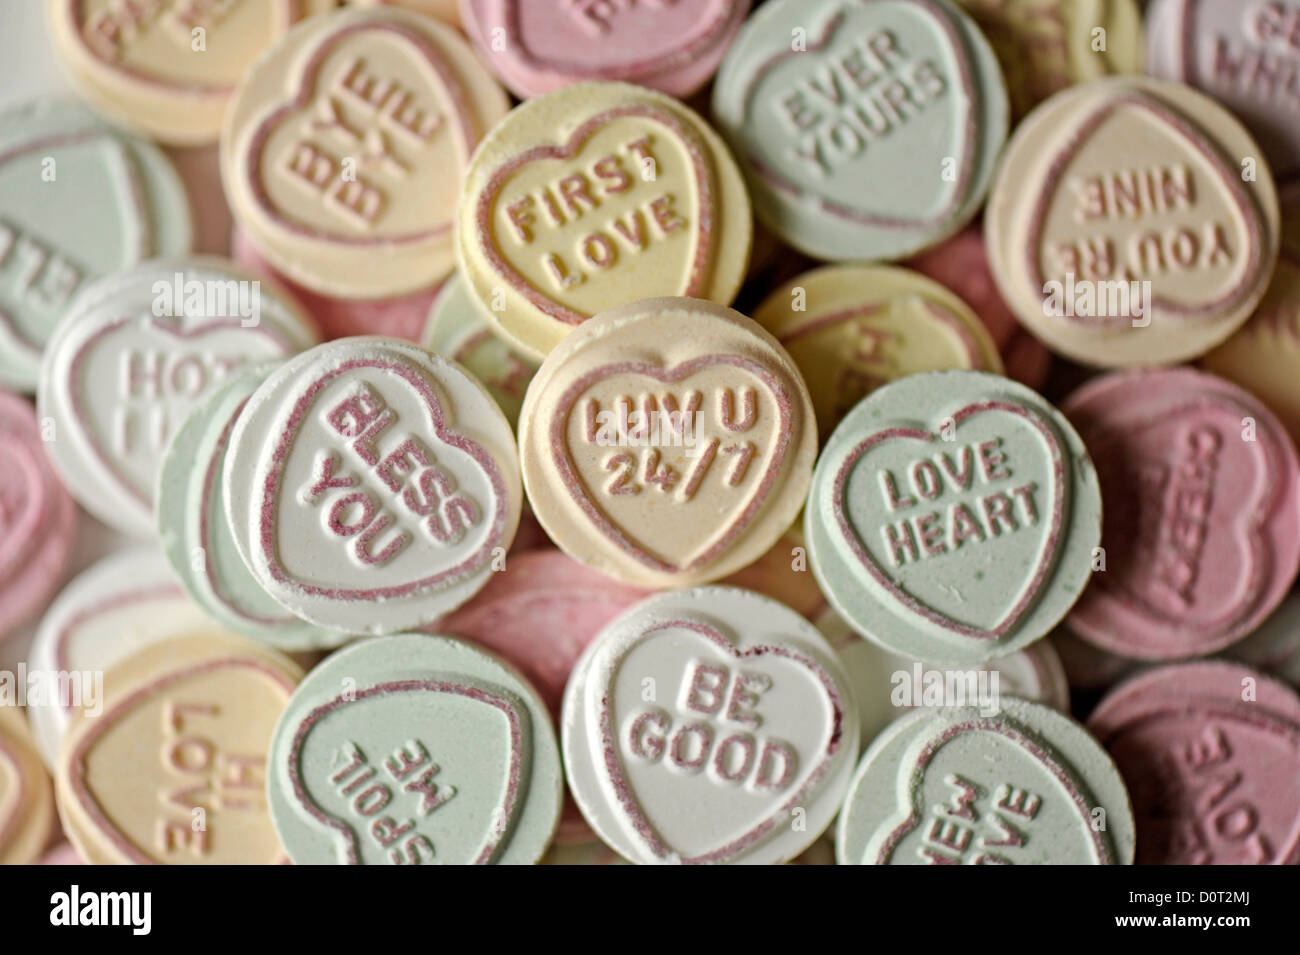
1211,753
415,750
709,726
345,146
167,70
371,486
1202,534
174,770
455,329
537,46
953,517
133,355
539,614
667,442
1043,47
26,49
58,160
1131,180
62,854
1275,646
594,196
885,684
38,521
782,573
867,131
444,10
962,265
196,532
852,328
26,802
1089,667
950,786
1245,54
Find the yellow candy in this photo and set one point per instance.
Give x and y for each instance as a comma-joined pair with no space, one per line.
26,809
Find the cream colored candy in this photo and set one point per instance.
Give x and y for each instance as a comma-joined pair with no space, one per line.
343,151
182,740
168,68
593,196
26,806
1132,180
851,328
667,443
445,10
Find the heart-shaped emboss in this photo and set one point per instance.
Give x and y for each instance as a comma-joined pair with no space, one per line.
913,505
630,191
378,96
671,464
368,481
739,767
952,816
423,794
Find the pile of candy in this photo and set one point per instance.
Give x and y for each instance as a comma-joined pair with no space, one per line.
392,475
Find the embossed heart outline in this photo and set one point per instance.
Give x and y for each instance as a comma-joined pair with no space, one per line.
1005,728
100,727
581,495
861,216
866,310
701,171
503,816
302,98
268,510
1047,552
1170,118
613,763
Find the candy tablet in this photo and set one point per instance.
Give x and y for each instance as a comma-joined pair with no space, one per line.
415,750
1122,182
537,46
1275,646
344,148
27,50
122,603
195,529
594,196
174,771
1211,753
1245,54
950,786
371,486
1202,535
57,161
63,854
953,517
133,355
457,331
26,797
701,723
852,328
867,131
38,521
168,70
668,442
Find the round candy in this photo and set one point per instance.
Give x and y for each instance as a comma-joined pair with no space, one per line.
27,50
1202,492
953,517
415,750
174,770
1126,226
953,786
371,486
537,46
168,70
26,803
57,161
456,330
867,131
133,355
196,531
62,854
852,328
1275,646
712,725
668,442
1245,54
594,196
38,521
1211,753
345,146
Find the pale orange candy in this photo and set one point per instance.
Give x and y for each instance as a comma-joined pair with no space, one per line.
26,805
